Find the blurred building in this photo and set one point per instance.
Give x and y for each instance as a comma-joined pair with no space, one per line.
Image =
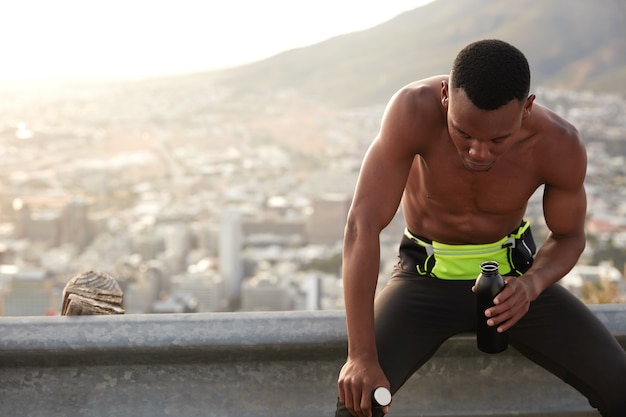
274,227
74,224
328,220
266,293
207,288
230,259
136,297
27,293
312,289
207,237
267,290
53,220
177,243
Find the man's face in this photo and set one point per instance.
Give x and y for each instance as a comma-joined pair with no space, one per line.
482,136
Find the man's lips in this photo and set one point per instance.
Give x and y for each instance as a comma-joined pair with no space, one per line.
478,166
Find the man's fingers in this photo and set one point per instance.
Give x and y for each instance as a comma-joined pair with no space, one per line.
356,402
366,405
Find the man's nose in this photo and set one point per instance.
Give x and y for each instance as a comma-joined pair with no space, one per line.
479,151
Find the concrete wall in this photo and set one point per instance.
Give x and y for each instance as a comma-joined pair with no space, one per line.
249,364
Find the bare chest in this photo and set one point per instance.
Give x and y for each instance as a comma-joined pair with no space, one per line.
445,185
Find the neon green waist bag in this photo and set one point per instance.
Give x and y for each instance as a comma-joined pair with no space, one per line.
514,253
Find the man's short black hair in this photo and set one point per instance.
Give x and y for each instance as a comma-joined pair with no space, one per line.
492,73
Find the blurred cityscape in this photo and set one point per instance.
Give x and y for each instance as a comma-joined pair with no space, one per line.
199,201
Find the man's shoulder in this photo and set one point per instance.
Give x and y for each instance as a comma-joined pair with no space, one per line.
555,130
558,148
414,117
419,100
424,90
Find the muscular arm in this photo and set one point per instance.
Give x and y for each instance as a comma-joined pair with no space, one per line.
376,200
564,206
564,212
377,197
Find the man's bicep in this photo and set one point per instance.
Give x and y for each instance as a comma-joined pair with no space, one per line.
565,201
380,185
389,159
565,210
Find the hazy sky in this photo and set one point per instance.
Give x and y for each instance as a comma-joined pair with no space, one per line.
136,38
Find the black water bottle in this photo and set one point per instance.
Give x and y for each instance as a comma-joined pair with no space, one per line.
488,284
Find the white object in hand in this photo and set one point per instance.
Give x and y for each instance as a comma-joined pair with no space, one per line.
381,396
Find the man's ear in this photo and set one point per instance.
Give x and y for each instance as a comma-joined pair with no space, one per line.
529,105
444,93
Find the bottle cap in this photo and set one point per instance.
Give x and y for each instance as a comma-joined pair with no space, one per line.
382,396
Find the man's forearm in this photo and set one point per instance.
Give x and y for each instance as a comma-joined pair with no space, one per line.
360,275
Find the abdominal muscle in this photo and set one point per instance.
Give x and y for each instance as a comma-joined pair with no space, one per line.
460,229
468,208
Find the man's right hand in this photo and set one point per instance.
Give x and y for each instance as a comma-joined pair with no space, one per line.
357,381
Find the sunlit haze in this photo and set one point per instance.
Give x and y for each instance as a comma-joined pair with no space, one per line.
42,39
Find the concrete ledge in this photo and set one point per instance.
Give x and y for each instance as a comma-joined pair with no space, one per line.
250,364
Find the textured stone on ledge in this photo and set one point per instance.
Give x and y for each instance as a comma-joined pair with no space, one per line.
92,293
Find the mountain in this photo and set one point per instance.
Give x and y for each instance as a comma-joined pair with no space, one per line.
571,44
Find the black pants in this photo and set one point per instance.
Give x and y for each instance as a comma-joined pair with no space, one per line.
415,314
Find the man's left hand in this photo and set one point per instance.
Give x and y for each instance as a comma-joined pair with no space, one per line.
511,304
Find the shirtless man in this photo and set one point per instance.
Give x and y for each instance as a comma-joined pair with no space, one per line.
463,154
